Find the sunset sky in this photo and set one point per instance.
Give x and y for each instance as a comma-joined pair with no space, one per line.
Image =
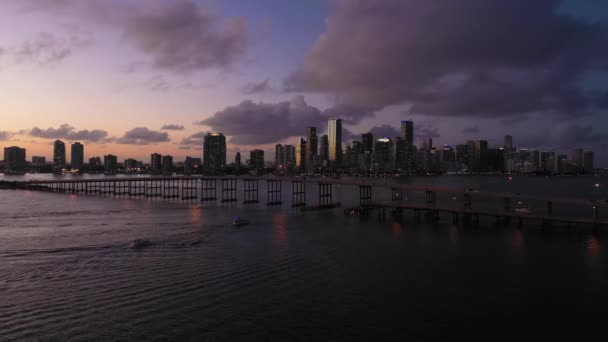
136,77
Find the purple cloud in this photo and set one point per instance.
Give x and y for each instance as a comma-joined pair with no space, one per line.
142,136
68,132
483,58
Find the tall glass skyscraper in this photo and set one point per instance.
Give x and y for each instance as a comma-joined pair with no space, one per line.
77,160
59,154
214,151
334,130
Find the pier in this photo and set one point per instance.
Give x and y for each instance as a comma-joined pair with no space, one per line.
461,205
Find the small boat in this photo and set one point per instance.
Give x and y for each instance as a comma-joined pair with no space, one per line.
239,222
139,243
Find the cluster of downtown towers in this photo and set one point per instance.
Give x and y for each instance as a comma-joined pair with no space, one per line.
314,154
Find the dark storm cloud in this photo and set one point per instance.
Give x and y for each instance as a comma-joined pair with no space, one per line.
471,130
485,58
257,87
142,136
181,35
68,132
567,136
172,127
250,123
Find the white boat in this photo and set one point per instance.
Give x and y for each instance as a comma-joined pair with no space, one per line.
238,222
139,243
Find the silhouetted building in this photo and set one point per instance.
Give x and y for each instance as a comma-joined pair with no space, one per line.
382,155
95,162
279,158
77,161
59,154
334,129
214,151
237,160
156,163
496,160
14,158
256,160
588,161
547,162
110,163
301,154
324,149
480,156
290,157
167,165
38,160
311,148
399,154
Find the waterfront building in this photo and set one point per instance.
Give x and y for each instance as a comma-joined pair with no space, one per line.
301,154
14,158
110,163
156,163
191,164
289,158
77,161
256,160
576,156
59,154
214,151
279,158
382,155
324,150
237,160
131,165
38,160
167,165
334,129
311,148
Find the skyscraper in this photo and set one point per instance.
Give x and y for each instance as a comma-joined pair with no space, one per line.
382,154
214,151
156,164
301,154
256,160
110,163
167,164
311,146
279,158
14,158
77,160
367,141
407,132
508,144
324,148
290,157
334,129
59,154
237,160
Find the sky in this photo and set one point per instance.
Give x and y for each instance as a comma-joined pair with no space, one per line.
135,77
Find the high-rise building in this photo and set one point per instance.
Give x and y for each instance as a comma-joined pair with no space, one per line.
547,161
588,161
290,158
237,160
110,163
191,164
334,129
77,161
560,163
214,151
382,154
407,132
167,165
256,160
59,154
311,147
14,158
95,162
38,160
156,163
279,158
367,141
478,155
508,144
301,154
576,156
399,154
324,148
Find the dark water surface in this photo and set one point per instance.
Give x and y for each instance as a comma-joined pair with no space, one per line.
67,273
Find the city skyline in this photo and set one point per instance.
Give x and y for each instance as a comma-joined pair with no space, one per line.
254,67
